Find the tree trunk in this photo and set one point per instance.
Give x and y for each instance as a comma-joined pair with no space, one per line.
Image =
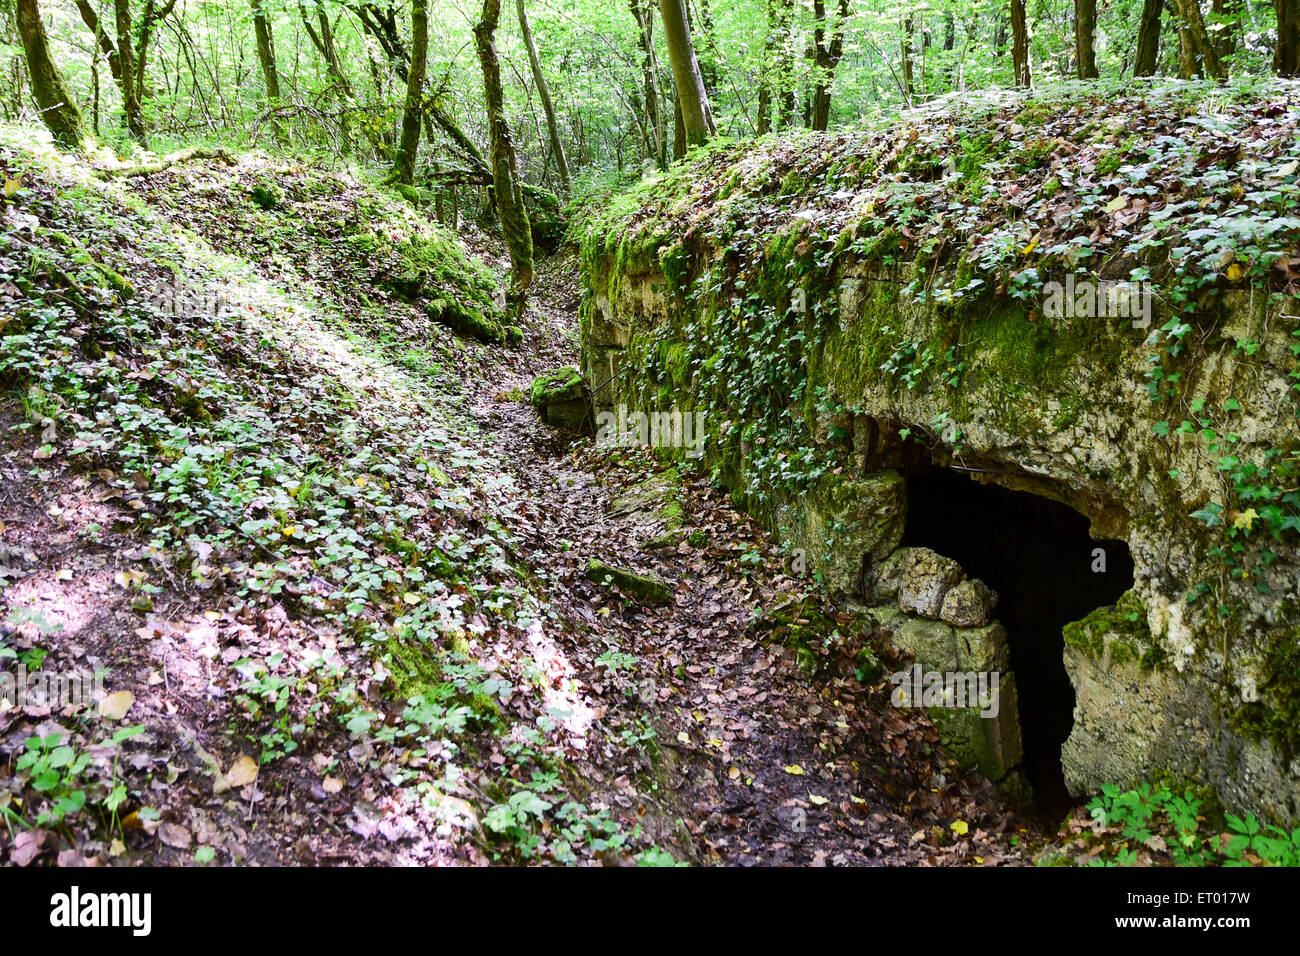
1206,58
322,38
150,19
658,149
131,53
1286,55
905,47
828,54
544,94
58,110
708,65
506,187
1226,13
94,95
1148,41
697,116
1020,45
126,57
679,131
1186,54
404,168
765,69
266,52
91,19
784,66
1085,39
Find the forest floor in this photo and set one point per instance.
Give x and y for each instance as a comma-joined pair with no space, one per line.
769,758
333,567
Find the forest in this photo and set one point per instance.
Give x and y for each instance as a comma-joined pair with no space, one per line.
681,433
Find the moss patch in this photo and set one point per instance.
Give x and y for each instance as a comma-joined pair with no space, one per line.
647,588
1121,628
1276,714
558,385
432,267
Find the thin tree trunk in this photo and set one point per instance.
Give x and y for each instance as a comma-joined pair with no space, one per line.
709,65
322,38
1186,54
126,57
765,70
94,94
905,47
949,46
266,52
697,116
1226,15
1286,55
91,19
266,57
58,110
544,94
658,149
1085,39
1148,41
150,19
1198,40
785,60
1020,45
828,54
404,168
679,131
507,191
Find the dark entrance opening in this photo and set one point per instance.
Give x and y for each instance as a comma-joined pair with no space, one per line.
1037,554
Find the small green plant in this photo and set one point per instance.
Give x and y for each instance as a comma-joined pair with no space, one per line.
909,361
1272,844
1171,823
616,661
266,695
56,770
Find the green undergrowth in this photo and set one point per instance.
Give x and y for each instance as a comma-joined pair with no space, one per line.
1159,824
348,240
277,457
748,236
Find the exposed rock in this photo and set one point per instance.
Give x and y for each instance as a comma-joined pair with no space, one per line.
652,511
1047,405
882,581
983,648
927,579
932,643
1120,719
561,398
968,603
848,523
990,744
557,385
648,588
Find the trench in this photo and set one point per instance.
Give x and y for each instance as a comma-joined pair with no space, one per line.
1038,555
